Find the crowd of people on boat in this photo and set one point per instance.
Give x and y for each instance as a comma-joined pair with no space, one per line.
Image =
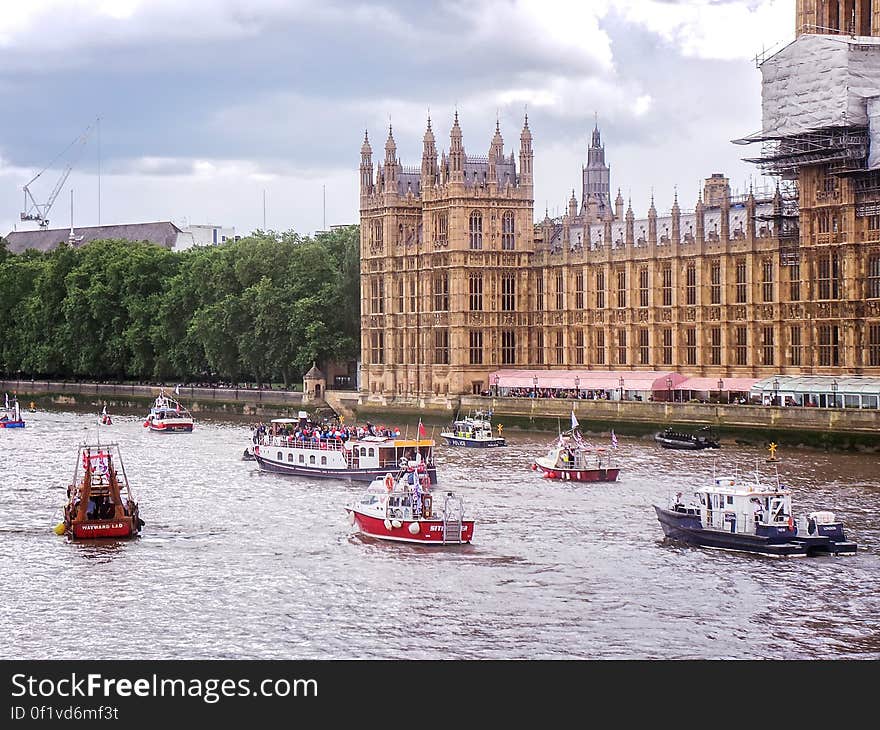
328,432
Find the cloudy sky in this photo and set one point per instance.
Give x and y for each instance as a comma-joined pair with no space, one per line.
207,106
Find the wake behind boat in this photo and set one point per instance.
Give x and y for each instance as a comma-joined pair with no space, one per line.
168,416
751,516
297,446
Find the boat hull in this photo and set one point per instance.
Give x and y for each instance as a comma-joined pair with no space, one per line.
430,532
684,445
165,427
687,528
11,424
98,529
473,443
304,470
579,475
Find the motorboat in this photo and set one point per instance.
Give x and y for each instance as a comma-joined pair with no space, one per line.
298,446
99,500
401,508
168,416
473,432
10,414
704,438
752,516
572,458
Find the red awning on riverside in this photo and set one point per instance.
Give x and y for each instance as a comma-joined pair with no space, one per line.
642,380
707,385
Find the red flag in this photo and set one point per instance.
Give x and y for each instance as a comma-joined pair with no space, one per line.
422,433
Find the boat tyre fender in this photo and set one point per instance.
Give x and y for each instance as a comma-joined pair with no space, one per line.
387,524
413,528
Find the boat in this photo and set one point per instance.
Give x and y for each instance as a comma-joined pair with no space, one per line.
99,500
168,416
105,418
474,432
752,516
571,458
401,509
10,414
297,446
704,438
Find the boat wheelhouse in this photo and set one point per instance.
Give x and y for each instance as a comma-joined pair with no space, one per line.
402,509
283,449
168,416
751,516
10,414
99,501
571,458
474,432
704,438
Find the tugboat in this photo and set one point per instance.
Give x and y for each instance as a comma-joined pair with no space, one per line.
297,446
753,517
571,458
99,502
10,415
474,431
168,416
401,509
705,438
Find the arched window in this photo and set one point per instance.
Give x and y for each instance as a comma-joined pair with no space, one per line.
280,456
323,461
290,457
476,230
507,231
371,452
311,460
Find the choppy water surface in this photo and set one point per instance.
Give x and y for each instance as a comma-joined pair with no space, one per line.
238,563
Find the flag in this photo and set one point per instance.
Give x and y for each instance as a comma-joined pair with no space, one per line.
613,440
177,389
6,396
104,411
574,420
422,432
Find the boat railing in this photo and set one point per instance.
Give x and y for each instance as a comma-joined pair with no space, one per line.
311,443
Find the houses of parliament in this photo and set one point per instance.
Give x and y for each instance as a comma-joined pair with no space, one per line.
458,281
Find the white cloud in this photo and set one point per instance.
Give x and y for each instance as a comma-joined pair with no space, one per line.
733,29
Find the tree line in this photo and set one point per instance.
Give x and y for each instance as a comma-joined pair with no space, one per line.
259,309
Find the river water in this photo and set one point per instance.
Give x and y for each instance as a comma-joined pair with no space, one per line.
236,563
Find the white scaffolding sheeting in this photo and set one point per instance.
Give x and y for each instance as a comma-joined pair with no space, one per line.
874,133
819,82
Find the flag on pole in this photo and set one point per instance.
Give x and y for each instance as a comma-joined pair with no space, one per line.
6,397
613,440
177,389
104,411
574,420
422,432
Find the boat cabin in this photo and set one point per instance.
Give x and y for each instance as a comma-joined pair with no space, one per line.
732,505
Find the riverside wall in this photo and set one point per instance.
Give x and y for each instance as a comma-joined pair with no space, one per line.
833,428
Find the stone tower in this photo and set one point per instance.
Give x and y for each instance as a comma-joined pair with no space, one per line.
596,180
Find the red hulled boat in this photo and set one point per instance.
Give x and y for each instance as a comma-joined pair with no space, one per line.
168,416
99,502
572,459
402,509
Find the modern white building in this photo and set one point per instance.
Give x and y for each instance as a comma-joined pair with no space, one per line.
204,235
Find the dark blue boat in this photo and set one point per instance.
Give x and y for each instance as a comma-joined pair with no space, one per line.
754,517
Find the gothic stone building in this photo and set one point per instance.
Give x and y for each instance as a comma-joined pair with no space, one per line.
458,283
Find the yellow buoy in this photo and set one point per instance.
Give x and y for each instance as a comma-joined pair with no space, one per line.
60,529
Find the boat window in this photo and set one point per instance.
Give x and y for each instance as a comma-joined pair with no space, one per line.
280,456
311,460
302,459
323,461
729,499
371,452
290,457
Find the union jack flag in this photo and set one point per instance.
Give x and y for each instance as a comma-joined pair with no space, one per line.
613,440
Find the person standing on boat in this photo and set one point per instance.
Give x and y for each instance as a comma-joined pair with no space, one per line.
758,510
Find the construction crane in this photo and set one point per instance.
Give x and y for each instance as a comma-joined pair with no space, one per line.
34,211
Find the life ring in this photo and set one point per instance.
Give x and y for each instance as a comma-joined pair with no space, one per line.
389,483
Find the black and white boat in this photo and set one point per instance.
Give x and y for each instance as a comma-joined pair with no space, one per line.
705,438
754,517
474,432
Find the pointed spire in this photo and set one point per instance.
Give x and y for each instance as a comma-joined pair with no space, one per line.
365,147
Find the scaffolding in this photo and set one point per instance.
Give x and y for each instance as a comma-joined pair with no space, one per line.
785,220
844,149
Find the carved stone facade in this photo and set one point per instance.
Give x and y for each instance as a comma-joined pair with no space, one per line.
457,282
